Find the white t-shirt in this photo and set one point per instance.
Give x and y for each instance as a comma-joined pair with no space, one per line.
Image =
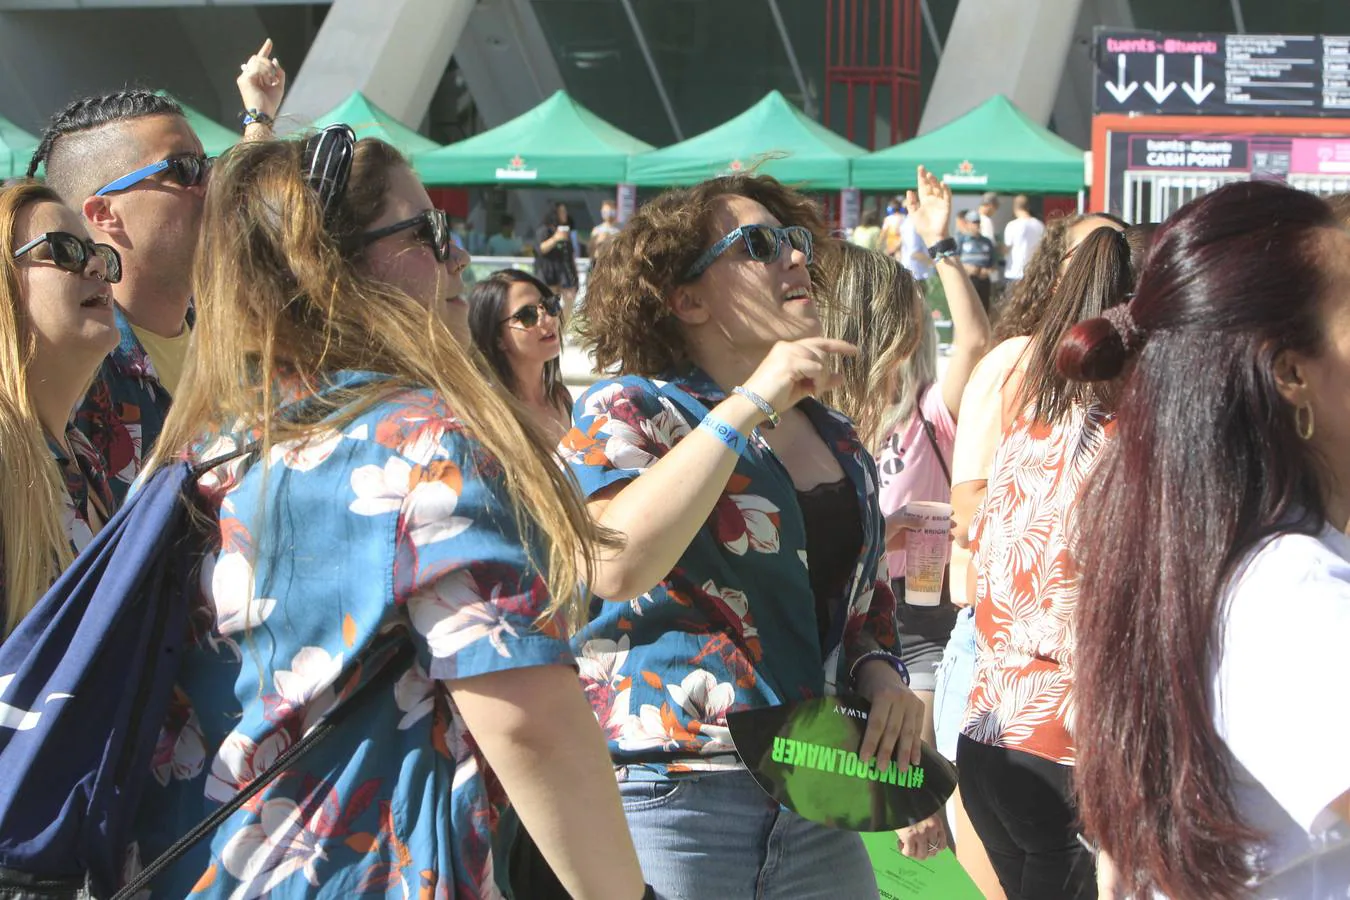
1021,237
1285,634
910,244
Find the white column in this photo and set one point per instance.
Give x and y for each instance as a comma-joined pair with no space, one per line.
393,51
1012,47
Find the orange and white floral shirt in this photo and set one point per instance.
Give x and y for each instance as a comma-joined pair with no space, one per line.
1026,586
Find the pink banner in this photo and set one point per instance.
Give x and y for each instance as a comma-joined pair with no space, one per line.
1320,156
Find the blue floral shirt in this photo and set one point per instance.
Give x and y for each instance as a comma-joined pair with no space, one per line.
124,411
733,626
397,529
86,489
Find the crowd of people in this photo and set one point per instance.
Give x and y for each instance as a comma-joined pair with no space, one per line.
1143,446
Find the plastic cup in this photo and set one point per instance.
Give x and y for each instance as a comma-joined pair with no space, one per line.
926,552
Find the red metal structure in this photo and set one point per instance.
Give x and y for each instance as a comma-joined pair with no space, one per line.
873,46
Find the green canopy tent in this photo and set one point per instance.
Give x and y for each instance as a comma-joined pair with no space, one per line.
215,138
994,147
559,143
773,137
368,120
16,149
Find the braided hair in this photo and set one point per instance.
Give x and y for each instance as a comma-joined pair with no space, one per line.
93,112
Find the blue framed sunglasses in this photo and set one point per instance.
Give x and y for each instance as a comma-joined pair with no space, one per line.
187,169
762,242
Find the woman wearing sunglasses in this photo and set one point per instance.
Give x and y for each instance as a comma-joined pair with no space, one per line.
407,549
56,326
516,323
748,573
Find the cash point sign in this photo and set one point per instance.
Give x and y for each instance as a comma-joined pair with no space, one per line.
1177,152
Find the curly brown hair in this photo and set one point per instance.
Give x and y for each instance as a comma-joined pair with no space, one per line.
1021,312
626,321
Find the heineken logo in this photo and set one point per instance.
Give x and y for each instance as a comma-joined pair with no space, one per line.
516,170
966,174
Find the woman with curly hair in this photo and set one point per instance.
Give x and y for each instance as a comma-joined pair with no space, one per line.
751,569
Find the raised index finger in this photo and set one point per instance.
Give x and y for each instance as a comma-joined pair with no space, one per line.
828,345
265,50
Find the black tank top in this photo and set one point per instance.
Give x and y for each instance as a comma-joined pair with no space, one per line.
833,541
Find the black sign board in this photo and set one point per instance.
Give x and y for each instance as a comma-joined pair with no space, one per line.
1222,74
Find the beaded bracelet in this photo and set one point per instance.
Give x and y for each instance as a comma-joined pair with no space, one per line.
889,658
255,117
760,403
723,432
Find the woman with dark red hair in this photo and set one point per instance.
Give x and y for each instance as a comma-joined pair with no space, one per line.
1214,613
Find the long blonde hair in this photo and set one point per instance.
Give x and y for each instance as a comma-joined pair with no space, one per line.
277,297
871,301
32,490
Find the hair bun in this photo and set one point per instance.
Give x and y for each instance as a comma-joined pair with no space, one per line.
1094,350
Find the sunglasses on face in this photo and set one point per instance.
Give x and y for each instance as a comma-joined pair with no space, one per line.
529,316
72,253
762,242
185,169
433,229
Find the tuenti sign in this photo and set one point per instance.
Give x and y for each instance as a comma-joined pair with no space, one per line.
1222,74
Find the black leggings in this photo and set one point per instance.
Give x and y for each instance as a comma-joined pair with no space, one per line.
1022,808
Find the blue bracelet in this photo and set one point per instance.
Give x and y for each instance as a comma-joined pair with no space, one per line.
723,432
889,658
760,403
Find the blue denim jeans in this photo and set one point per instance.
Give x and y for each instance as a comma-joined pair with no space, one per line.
955,679
719,836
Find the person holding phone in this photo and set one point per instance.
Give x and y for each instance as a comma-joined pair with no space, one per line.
555,254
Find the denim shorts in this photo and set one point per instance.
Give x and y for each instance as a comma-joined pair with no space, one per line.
955,679
718,835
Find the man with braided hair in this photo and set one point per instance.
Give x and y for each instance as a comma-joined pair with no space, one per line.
131,164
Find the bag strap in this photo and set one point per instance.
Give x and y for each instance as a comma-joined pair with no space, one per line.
289,757
932,439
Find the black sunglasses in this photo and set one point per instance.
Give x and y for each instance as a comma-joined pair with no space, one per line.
529,316
433,229
72,253
187,169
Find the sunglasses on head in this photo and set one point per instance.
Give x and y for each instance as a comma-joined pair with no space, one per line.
433,229
72,253
186,169
529,316
762,242
327,163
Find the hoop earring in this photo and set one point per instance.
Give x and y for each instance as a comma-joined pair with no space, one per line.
1305,431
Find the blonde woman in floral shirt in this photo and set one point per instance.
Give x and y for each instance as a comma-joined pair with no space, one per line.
748,576
394,501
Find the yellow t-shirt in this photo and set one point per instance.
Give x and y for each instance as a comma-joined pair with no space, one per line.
168,355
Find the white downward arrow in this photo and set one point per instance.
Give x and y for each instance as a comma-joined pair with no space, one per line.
1119,89
1201,88
1160,91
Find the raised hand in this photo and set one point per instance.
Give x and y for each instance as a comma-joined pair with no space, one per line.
930,207
262,81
